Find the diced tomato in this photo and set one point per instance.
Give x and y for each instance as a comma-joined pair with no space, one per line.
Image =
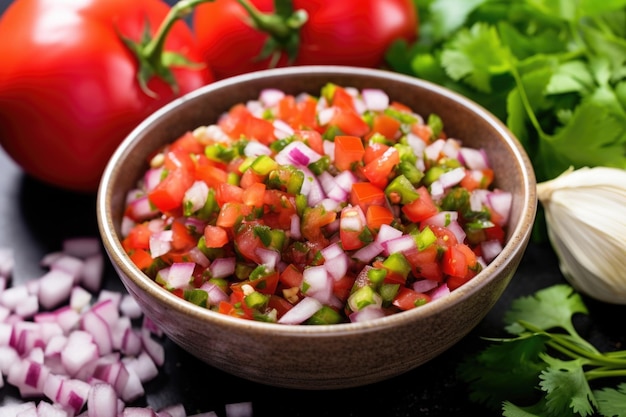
254,195
239,122
265,284
313,139
454,262
279,304
138,237
379,170
188,143
278,209
424,263
343,286
366,194
349,122
177,159
313,222
211,174
299,115
182,238
342,99
141,258
215,236
247,241
445,237
250,177
407,299
228,193
386,126
231,213
477,179
168,194
291,276
349,152
421,208
377,215
374,150
495,232
423,131
352,237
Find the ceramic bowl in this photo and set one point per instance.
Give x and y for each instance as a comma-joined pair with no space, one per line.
326,356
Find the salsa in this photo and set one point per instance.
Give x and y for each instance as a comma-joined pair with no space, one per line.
303,209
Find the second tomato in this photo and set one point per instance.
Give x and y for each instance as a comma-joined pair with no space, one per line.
347,32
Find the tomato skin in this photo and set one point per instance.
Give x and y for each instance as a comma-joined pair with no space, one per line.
68,88
347,32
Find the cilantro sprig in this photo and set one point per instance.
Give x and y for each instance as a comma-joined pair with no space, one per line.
553,71
547,369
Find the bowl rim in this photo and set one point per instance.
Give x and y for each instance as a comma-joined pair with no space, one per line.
518,237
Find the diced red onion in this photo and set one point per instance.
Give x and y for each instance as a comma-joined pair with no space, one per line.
368,252
441,291
269,257
242,409
368,313
452,177
433,151
195,197
92,273
424,285
55,288
161,243
282,129
255,148
319,284
222,267
81,247
501,201
451,148
473,158
180,274
375,99
301,311
441,219
398,245
215,293
270,97
458,231
490,249
386,233
324,116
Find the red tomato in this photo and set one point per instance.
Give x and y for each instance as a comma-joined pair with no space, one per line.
347,32
68,83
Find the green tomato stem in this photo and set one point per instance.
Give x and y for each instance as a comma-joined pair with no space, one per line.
154,49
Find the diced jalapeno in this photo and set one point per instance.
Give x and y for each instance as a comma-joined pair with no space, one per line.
401,191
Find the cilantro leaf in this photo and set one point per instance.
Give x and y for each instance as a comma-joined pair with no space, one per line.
475,55
547,309
612,402
566,387
542,372
508,370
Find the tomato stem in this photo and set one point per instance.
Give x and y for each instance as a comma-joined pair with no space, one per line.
154,49
153,59
282,26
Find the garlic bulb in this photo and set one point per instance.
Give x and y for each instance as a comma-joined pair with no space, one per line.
586,220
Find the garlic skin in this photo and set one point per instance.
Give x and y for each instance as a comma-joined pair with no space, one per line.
585,213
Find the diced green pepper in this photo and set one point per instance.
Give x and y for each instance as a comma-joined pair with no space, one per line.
436,124
376,276
196,296
256,300
398,263
401,191
325,315
320,165
424,238
363,297
263,164
411,172
388,292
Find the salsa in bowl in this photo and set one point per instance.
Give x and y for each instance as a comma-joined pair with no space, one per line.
286,238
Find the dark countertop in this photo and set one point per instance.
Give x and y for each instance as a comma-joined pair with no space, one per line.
35,218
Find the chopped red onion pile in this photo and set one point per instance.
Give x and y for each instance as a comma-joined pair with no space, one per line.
74,349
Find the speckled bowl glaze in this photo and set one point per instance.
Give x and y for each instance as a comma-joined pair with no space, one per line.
328,356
